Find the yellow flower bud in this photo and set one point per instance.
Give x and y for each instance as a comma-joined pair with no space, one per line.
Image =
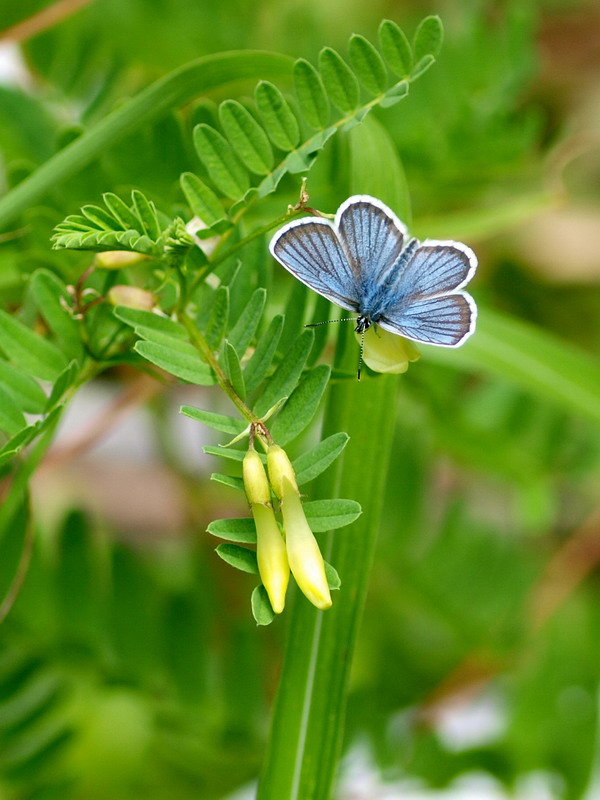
304,556
271,555
280,467
118,259
256,482
387,352
131,297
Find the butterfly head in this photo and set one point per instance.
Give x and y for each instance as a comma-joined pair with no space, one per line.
363,323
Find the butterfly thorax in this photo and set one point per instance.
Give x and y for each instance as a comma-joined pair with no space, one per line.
377,297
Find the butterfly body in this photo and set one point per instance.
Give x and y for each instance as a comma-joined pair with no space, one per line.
365,262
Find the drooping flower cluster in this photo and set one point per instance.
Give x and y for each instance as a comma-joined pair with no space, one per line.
295,549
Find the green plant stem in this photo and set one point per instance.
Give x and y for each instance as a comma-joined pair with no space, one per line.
210,267
178,88
209,357
307,726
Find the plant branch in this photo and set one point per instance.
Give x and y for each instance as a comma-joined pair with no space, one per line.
209,357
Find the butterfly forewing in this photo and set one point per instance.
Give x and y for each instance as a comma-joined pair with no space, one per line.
446,320
310,249
372,237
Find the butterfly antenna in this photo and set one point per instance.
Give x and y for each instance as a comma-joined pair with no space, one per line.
328,321
360,358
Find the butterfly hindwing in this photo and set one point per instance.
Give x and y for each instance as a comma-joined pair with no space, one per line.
446,320
310,249
435,268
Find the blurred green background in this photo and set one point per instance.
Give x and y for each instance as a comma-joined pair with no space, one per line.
130,665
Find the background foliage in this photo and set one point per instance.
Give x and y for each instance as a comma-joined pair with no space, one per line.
129,662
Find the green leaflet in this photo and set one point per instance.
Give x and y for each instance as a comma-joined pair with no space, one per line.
228,480
26,393
38,356
428,38
246,137
327,515
228,453
234,370
339,80
302,405
294,311
261,606
11,419
315,461
52,299
395,48
239,557
225,169
120,211
368,64
234,530
219,422
311,94
258,366
201,199
286,375
179,358
98,218
65,380
149,325
244,329
278,118
216,324
146,213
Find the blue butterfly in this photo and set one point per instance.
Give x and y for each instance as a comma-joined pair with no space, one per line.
365,261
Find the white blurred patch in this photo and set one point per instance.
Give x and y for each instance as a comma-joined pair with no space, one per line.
13,71
473,724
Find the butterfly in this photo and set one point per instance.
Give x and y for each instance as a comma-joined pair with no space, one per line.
365,262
